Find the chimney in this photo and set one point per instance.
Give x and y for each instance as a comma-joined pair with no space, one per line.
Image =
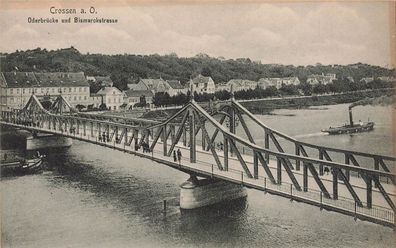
350,117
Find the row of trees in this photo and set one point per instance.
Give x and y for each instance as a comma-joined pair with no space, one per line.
343,85
338,86
128,68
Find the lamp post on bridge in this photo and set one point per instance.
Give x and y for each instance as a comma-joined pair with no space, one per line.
232,119
193,156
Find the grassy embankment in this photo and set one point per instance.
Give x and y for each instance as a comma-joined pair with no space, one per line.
266,106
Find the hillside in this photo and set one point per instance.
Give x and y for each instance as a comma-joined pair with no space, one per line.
129,68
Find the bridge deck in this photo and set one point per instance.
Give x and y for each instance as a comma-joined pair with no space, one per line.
206,166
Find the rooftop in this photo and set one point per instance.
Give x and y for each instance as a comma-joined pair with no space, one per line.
107,90
174,84
138,93
201,79
43,79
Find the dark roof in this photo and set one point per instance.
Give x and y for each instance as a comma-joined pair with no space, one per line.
45,79
155,84
175,84
104,80
138,93
106,90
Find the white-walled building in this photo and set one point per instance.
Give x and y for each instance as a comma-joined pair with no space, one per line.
132,97
112,97
277,82
17,87
223,86
202,84
175,88
241,84
321,79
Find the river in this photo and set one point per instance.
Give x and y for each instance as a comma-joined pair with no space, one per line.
90,196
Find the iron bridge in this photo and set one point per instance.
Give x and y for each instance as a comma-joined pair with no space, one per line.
220,145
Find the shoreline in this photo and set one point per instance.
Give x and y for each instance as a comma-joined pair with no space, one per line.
266,106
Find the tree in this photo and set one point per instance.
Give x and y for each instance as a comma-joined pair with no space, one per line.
320,88
46,104
142,100
270,91
161,98
289,89
222,95
103,106
80,107
306,88
206,71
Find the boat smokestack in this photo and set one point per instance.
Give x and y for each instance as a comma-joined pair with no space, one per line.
350,117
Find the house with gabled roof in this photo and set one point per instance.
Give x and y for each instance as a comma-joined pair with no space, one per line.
202,84
277,82
154,85
112,97
132,97
175,88
321,79
241,84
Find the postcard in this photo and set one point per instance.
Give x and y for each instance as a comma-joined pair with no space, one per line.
184,123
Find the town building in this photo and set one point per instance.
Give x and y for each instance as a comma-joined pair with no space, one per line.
101,81
321,79
223,86
202,84
172,87
112,97
132,97
367,79
277,82
175,88
350,79
17,87
241,84
387,79
95,101
154,85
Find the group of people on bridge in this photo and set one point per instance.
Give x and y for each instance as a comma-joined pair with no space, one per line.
105,137
177,155
28,123
144,145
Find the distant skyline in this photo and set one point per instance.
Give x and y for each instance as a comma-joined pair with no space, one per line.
279,33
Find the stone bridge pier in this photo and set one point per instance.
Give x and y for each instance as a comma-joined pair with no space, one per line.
197,193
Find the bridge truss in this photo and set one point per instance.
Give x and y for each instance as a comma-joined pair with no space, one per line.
221,145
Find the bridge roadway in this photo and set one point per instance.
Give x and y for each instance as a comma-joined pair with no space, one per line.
206,167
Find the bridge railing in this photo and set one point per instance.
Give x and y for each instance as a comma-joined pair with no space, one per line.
277,184
289,190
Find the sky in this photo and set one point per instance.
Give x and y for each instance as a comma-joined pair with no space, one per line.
282,33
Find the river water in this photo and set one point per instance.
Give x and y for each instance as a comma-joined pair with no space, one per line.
90,196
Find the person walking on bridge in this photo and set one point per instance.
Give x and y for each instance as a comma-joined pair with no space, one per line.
174,156
179,155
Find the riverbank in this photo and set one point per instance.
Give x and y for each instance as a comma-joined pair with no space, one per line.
266,106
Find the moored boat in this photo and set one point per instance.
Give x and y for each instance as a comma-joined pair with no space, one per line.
25,166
